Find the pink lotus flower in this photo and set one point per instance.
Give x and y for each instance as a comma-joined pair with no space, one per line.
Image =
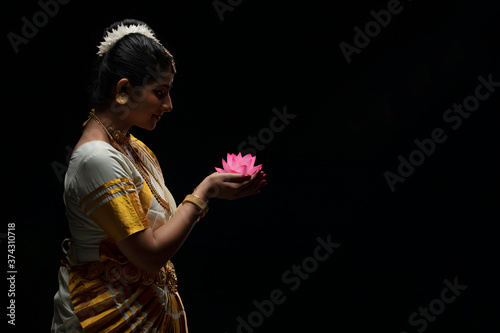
238,164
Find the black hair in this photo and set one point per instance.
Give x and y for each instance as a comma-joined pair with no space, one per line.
134,57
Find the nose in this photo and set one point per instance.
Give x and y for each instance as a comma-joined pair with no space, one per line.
166,106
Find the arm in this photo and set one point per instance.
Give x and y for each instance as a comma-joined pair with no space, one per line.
150,250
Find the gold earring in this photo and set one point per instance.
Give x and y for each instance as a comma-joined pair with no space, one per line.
121,98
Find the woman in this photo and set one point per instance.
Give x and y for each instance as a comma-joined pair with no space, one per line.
124,223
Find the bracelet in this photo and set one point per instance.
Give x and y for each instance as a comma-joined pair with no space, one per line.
197,201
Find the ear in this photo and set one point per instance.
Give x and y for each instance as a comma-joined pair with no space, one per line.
123,86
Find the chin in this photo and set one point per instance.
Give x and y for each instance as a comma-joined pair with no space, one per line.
148,126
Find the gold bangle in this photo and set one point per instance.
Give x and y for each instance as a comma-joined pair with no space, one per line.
197,201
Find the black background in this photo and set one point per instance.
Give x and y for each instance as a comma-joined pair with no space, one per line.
325,169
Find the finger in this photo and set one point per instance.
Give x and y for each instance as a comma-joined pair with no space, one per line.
261,177
255,182
255,185
255,179
256,189
259,185
235,177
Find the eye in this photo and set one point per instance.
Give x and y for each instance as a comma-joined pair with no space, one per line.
160,93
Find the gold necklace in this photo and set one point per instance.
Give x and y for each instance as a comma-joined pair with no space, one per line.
140,166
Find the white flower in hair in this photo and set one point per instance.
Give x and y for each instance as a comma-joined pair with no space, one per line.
119,32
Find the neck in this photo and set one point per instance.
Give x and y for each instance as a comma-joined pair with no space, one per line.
101,125
113,119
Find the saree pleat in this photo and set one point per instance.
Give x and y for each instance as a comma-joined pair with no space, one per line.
117,307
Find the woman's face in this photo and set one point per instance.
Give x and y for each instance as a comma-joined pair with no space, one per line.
147,104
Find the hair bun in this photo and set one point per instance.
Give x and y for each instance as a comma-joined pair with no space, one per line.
113,36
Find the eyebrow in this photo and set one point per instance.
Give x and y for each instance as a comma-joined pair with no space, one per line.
168,86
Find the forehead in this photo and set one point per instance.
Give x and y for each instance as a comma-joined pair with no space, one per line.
163,79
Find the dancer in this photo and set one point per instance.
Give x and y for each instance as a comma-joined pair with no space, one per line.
124,223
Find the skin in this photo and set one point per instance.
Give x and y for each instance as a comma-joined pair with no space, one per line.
150,249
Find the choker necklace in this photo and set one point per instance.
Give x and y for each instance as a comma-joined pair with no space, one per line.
118,136
115,136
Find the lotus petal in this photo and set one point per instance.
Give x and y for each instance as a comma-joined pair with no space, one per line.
251,162
246,159
255,169
242,169
225,166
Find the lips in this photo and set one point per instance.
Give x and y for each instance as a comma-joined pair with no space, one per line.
157,116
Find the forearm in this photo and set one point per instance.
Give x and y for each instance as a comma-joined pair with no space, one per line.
169,238
150,250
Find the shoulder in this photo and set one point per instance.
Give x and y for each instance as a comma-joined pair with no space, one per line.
95,163
96,154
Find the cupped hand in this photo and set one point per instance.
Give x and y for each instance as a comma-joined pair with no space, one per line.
230,186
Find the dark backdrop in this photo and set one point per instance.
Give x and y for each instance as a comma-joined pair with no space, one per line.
394,249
